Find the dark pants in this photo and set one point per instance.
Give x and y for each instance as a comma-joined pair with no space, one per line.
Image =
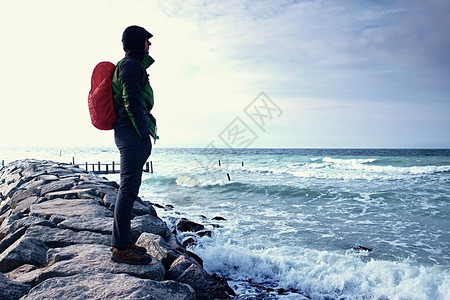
134,152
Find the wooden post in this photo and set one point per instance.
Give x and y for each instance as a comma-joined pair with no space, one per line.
228,175
87,167
242,163
99,167
107,172
3,162
73,160
147,167
93,165
219,163
113,167
151,167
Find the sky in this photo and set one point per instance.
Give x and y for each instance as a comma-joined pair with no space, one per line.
238,74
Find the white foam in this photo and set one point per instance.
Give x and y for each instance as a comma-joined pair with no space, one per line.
320,274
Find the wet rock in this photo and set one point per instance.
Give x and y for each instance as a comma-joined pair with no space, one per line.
109,286
189,242
206,286
203,233
168,207
362,248
219,218
12,290
185,225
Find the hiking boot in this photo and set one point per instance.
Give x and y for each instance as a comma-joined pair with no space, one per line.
137,249
129,256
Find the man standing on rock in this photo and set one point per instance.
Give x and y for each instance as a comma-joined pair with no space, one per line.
133,101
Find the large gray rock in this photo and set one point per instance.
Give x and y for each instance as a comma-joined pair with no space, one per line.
23,251
157,247
206,286
11,290
148,224
11,238
72,194
179,266
23,205
57,237
101,225
55,186
79,259
69,207
109,286
11,224
26,190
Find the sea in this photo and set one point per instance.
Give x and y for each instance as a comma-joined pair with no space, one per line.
303,223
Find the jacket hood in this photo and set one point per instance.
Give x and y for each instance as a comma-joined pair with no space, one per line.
134,37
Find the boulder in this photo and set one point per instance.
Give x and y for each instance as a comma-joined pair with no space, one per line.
12,290
179,265
72,194
23,251
57,237
206,286
54,186
11,238
157,247
78,259
16,273
96,285
11,224
101,225
185,225
150,224
70,208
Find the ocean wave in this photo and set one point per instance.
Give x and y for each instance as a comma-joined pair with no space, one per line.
354,169
325,274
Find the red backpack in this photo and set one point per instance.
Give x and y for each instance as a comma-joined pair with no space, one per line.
100,98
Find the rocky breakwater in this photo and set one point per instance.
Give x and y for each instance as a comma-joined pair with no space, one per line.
55,233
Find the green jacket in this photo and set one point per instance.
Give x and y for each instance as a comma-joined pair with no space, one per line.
133,95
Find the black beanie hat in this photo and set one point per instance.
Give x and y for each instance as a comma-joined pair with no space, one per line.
134,37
